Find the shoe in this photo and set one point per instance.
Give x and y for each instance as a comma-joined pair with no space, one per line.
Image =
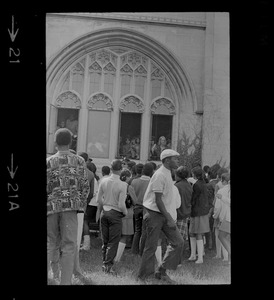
109,270
216,257
52,281
163,276
192,258
198,261
82,278
140,279
85,248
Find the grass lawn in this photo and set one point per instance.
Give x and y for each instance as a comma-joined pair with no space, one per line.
212,271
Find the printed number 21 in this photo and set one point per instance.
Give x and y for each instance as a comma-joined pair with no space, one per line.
11,51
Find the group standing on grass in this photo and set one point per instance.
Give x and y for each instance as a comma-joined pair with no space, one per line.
151,203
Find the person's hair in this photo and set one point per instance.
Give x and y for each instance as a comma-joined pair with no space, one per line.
154,165
62,137
91,166
139,168
105,170
198,172
212,172
182,172
133,170
124,174
221,171
116,165
84,155
206,168
131,164
225,177
148,169
160,138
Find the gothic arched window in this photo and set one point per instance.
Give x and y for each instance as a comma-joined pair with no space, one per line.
127,95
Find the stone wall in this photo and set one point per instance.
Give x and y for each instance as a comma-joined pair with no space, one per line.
216,117
200,42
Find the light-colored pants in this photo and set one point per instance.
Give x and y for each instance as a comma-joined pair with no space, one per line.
80,218
220,249
62,236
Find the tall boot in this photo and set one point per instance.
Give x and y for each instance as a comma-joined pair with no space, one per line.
86,244
200,247
204,243
120,251
193,248
158,254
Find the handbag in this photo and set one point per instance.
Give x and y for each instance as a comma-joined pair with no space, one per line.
128,201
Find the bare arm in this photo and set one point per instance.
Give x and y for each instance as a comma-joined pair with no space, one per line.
161,207
98,212
132,194
100,194
122,199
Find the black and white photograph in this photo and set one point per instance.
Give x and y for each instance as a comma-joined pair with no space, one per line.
140,116
138,148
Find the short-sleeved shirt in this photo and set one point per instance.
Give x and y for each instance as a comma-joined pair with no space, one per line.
161,182
112,191
140,185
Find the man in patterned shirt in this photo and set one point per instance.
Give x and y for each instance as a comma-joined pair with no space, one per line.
67,191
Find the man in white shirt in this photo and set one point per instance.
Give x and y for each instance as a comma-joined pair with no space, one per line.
111,200
160,204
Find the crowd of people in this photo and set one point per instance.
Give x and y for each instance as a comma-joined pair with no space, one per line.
151,203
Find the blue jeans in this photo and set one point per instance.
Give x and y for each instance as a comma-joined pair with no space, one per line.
111,229
62,237
138,218
154,223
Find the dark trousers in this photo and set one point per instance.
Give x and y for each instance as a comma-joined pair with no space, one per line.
138,218
210,236
155,222
111,229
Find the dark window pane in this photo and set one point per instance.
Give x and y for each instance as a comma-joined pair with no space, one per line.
129,141
160,135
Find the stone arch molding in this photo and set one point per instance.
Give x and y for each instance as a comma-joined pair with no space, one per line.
132,103
68,99
163,102
100,98
115,37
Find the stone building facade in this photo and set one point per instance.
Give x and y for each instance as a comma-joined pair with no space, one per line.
134,77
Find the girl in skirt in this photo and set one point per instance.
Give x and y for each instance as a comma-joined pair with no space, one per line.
199,221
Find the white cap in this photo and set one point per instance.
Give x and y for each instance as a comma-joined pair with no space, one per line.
167,153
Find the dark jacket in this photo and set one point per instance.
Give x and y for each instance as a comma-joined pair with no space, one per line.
185,190
199,199
211,191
